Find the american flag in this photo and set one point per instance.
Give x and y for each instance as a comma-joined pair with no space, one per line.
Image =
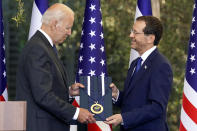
39,7
3,79
143,8
189,104
92,58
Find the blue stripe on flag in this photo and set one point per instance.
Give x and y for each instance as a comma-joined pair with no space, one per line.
42,5
145,7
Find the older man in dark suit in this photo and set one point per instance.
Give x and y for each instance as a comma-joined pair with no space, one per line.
144,100
42,79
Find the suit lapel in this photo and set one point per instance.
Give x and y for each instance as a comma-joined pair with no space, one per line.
146,66
59,65
130,73
54,57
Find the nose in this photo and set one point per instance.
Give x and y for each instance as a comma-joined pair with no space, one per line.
131,35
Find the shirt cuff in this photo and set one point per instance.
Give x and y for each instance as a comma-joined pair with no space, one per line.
115,100
76,114
70,97
122,123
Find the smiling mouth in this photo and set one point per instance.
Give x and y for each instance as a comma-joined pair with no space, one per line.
132,41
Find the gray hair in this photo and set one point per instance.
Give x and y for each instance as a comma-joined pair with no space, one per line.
56,12
52,15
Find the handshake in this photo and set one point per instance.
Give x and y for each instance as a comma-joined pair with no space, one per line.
84,115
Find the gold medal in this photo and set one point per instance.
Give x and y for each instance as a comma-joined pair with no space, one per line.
97,108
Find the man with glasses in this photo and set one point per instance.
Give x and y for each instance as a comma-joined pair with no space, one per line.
144,100
42,80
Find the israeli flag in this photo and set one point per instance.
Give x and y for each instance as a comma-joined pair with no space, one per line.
143,8
39,7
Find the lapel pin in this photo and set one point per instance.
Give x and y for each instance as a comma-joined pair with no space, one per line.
145,67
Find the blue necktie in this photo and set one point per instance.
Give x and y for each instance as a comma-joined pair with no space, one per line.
137,67
55,50
139,61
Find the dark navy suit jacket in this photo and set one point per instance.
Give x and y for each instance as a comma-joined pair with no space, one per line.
144,99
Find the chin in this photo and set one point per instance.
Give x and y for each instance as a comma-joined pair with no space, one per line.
132,47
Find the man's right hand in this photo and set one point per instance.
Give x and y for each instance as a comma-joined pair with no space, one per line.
85,116
114,90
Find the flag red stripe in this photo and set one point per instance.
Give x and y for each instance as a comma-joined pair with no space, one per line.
2,98
75,103
182,128
110,127
93,127
189,109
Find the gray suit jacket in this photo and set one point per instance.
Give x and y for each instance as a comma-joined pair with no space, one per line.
42,82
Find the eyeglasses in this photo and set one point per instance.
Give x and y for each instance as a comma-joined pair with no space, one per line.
135,33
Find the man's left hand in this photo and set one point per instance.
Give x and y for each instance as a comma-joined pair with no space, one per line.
114,120
74,89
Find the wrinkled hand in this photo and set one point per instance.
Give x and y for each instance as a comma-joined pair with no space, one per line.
74,89
114,120
85,116
114,90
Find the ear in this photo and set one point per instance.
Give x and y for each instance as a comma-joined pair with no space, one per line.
151,38
53,25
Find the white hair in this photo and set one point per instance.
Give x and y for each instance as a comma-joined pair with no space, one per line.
52,15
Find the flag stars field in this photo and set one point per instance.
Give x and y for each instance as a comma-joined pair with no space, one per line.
81,58
102,48
4,60
80,71
102,62
92,7
92,59
193,19
102,74
82,33
193,32
192,45
100,9
101,35
92,33
4,74
92,72
101,23
92,46
192,71
81,45
92,20
192,58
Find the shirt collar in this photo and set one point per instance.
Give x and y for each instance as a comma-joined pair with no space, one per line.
147,53
47,36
